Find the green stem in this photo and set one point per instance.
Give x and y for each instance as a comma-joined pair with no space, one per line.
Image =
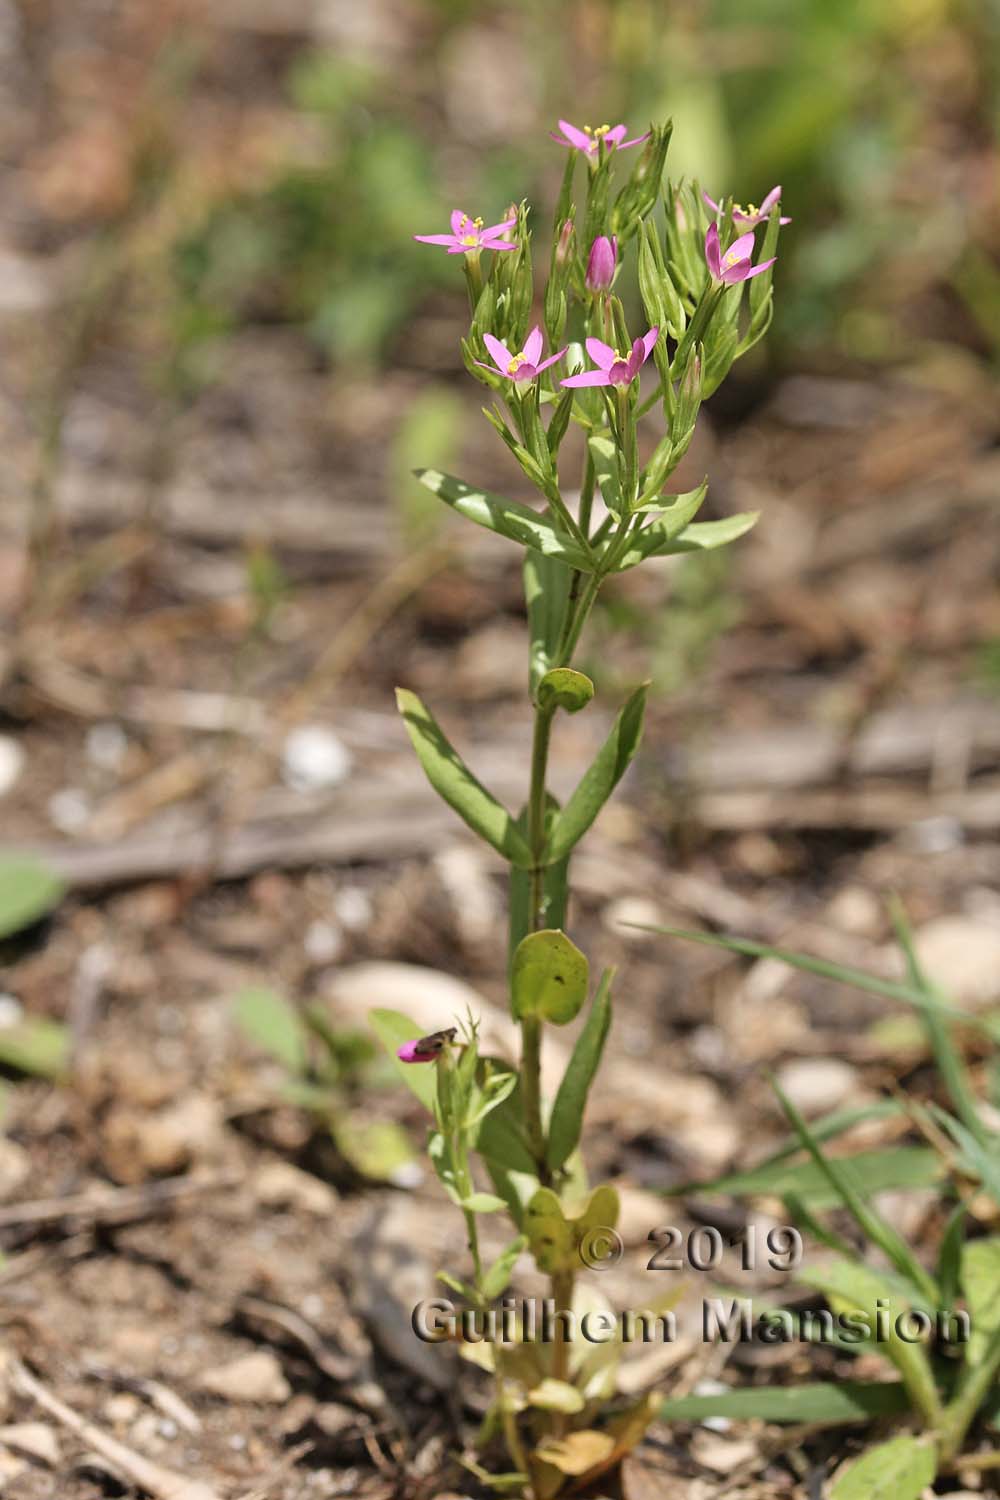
960,1412
473,278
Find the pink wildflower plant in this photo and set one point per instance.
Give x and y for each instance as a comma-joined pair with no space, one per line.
733,265
522,367
589,138
468,235
614,368
751,216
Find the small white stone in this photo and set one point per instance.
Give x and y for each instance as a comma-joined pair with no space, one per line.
816,1085
624,916
314,759
107,746
353,908
11,763
11,1011
323,942
69,809
255,1378
962,956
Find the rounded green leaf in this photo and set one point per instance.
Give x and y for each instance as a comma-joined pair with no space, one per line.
566,688
898,1470
28,891
548,977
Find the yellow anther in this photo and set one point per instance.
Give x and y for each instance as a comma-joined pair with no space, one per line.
478,223
516,363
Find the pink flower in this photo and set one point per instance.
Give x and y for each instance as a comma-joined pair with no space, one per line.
518,367
601,264
587,140
612,367
426,1048
750,216
468,235
735,265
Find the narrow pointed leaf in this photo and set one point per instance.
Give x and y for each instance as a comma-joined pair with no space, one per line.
837,1405
567,1112
451,779
508,518
600,780
700,536
546,589
29,890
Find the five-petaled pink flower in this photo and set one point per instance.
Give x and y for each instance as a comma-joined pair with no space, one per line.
468,235
587,140
518,367
612,367
751,216
734,265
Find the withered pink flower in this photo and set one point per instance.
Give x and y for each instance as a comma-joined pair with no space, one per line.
468,235
426,1048
588,139
751,216
601,263
734,265
614,368
518,367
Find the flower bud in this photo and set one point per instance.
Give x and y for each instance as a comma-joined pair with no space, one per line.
564,243
601,264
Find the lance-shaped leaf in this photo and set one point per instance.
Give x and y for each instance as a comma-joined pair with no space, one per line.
519,523
604,456
546,589
567,1112
548,977
900,1469
600,779
847,1402
699,536
980,1277
451,779
499,1274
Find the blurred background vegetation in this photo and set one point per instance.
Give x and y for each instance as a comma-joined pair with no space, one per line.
879,117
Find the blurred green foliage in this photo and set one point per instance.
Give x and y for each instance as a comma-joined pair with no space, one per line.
873,114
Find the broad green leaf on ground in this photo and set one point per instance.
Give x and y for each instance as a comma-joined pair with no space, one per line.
900,1469
270,1021
451,779
700,536
508,518
567,1112
393,1029
980,1279
600,779
37,1046
548,977
29,890
845,1402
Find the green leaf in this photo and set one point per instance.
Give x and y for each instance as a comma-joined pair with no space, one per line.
564,687
546,590
483,1203
847,1402
869,1172
29,890
550,1236
270,1021
376,1149
868,1220
950,1065
393,1029
566,1121
556,1395
700,536
508,518
982,1161
36,1045
600,779
496,1279
548,977
500,1135
451,779
949,1263
900,1469
604,456
980,1277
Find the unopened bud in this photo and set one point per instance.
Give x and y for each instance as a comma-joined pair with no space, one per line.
564,243
601,264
